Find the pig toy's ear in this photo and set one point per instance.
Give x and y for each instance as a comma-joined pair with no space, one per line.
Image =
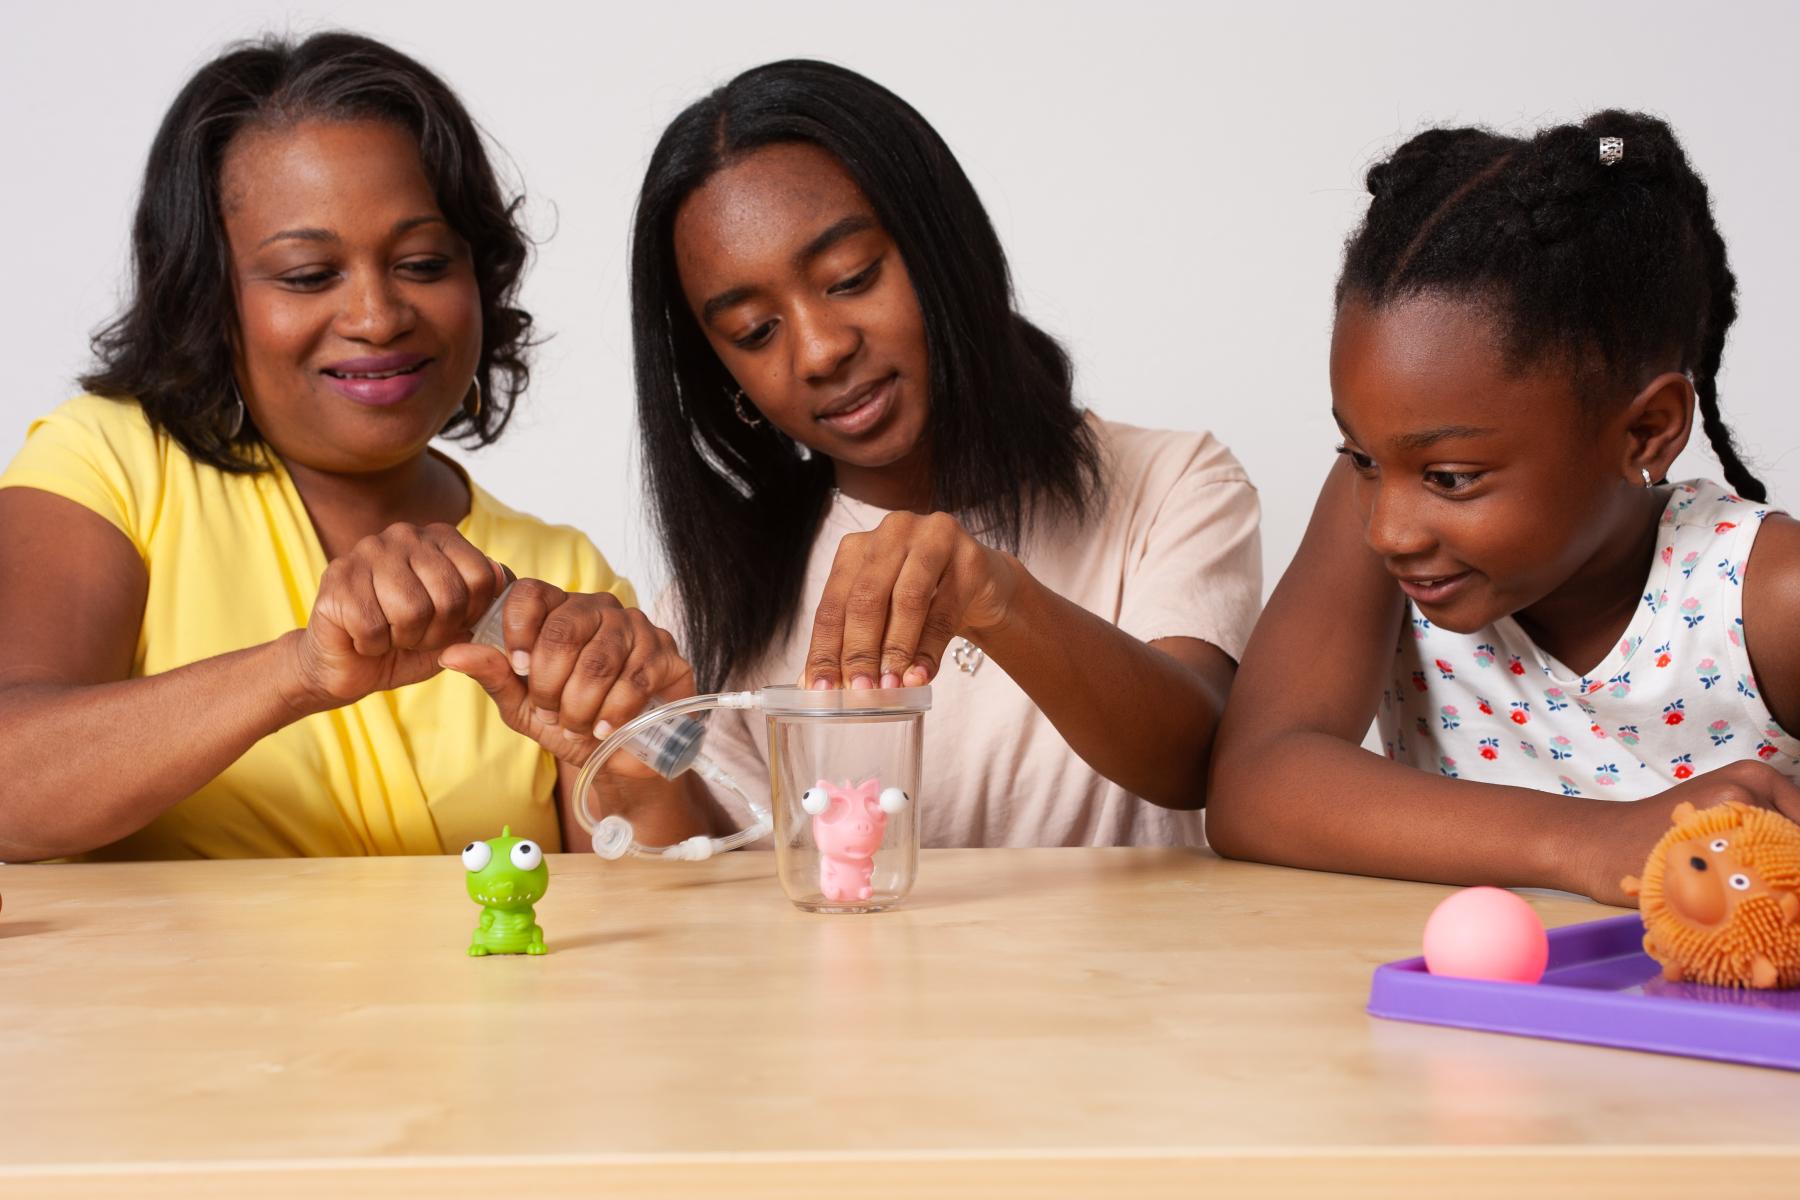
893,800
815,800
1681,812
1789,903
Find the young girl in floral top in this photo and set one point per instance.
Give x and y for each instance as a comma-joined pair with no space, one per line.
1525,328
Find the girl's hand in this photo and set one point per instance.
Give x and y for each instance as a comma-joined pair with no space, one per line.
386,609
576,668
1633,828
898,594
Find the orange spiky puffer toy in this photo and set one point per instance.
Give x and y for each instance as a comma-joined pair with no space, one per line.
1720,897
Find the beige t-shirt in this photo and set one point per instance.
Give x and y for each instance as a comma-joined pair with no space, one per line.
1175,553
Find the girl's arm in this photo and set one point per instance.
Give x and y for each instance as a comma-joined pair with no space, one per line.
1142,715
662,812
1771,614
1292,785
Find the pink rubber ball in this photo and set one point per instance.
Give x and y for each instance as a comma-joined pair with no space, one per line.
1486,933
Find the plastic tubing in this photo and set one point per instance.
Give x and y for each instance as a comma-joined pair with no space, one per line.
613,835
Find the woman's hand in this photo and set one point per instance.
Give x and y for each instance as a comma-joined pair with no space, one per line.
385,610
576,667
1633,828
898,594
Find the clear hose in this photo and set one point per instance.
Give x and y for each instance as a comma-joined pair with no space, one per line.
613,836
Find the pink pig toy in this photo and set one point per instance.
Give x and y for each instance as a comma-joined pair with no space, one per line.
848,824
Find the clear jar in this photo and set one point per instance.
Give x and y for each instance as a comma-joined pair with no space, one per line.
844,794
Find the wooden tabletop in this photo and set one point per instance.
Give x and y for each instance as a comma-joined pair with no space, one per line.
1045,1022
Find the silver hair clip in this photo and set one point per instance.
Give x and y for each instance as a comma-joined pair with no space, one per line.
1611,150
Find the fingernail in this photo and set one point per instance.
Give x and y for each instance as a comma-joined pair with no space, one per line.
821,684
915,676
521,661
862,683
547,716
890,680
603,730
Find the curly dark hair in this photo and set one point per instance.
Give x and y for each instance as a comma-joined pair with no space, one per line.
169,348
1614,267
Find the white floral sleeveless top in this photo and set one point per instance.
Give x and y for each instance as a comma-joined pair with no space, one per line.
1675,698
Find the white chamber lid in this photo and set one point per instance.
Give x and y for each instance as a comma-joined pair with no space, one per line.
843,702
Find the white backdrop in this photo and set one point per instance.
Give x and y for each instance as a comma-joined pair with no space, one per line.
1172,182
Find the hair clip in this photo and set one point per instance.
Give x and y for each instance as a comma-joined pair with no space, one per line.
1611,150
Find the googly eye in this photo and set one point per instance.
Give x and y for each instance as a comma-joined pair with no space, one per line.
1718,845
477,855
893,800
526,856
815,801
1739,882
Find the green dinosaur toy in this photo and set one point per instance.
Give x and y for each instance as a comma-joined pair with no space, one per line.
507,875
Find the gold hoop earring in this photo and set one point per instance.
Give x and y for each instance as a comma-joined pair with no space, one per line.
235,426
475,411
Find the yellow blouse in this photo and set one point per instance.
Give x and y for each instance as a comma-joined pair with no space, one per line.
234,561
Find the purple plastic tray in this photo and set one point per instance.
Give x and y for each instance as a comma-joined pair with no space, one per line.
1601,987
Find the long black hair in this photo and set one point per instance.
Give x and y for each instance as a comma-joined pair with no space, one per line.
1614,265
170,347
737,507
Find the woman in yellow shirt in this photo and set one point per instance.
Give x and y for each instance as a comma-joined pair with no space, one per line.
231,578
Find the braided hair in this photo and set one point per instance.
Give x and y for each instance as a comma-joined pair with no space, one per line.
1612,268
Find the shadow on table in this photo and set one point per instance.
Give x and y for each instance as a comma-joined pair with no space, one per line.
611,937
11,929
963,893
682,881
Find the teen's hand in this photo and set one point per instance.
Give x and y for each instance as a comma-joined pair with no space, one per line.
385,610
576,667
1629,830
898,594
